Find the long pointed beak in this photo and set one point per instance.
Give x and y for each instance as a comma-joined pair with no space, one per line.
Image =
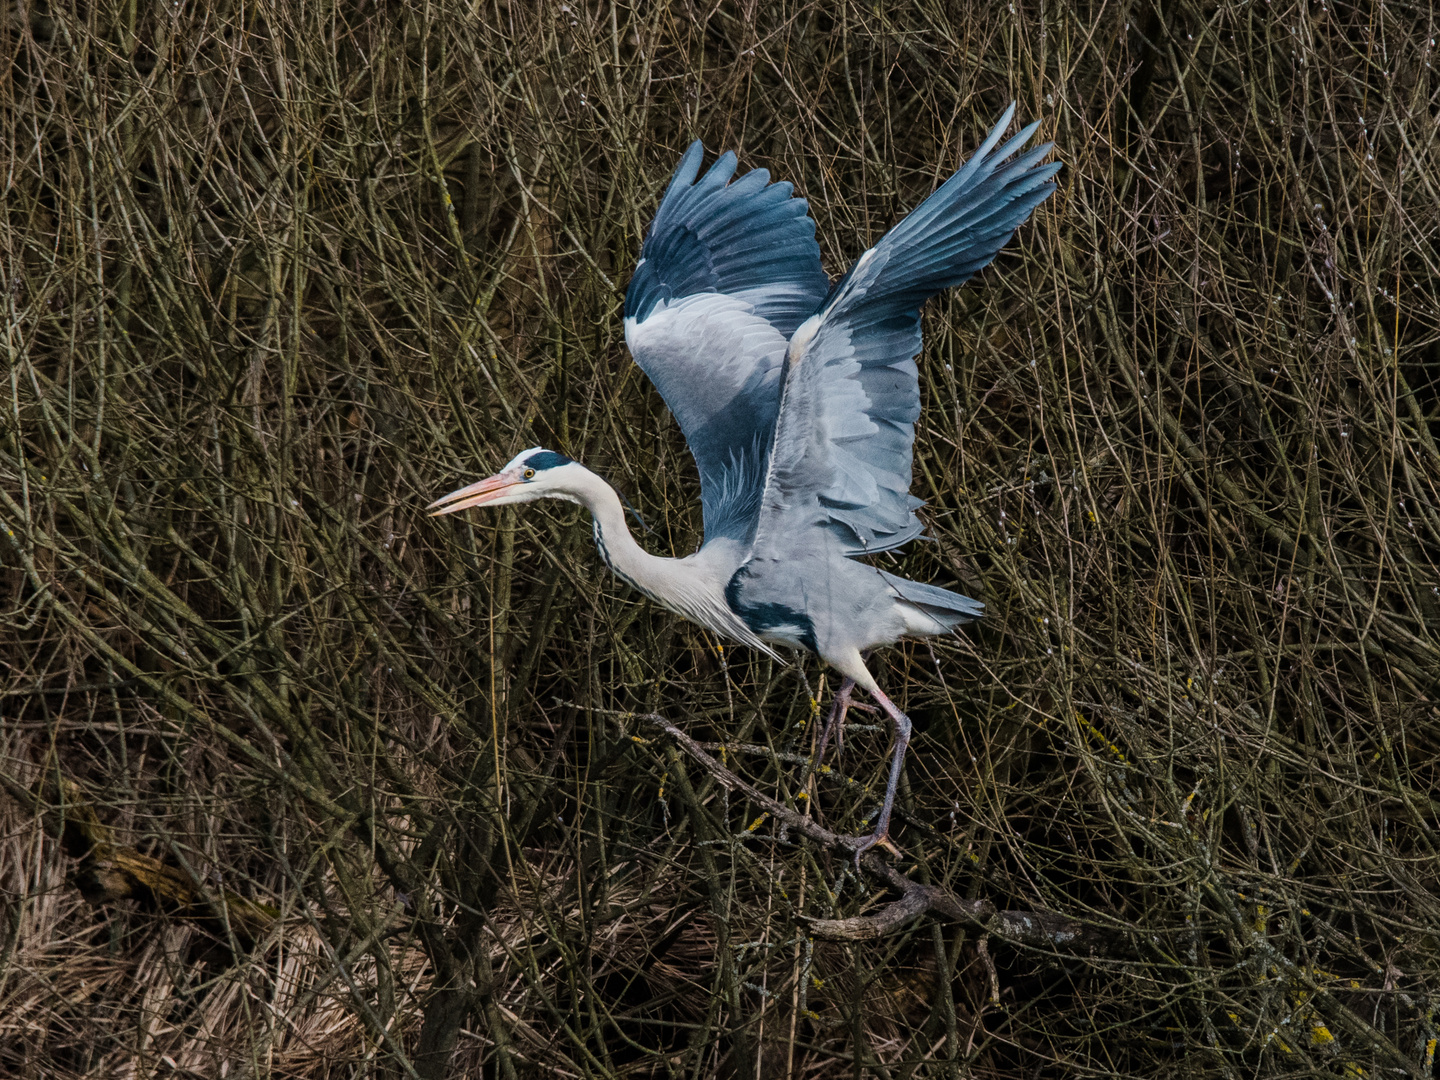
477,494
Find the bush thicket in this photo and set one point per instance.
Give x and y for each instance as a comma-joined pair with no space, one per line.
301,783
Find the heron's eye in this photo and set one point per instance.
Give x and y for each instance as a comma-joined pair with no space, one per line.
529,474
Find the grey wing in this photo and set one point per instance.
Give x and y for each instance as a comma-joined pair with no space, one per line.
727,271
842,452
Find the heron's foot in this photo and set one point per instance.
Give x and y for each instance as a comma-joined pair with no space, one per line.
879,838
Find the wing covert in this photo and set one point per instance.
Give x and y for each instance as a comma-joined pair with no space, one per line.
728,269
844,438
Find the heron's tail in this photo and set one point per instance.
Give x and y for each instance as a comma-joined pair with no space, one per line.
945,607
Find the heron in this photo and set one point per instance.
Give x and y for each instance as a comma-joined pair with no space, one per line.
798,400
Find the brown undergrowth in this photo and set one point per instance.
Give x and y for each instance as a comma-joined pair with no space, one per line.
354,789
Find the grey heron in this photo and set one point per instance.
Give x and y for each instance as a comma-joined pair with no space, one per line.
798,400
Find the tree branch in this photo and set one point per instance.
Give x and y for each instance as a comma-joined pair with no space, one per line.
1039,929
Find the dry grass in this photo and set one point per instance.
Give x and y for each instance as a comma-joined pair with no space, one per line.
276,275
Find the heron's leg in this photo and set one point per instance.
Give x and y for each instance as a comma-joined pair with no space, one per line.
881,835
835,722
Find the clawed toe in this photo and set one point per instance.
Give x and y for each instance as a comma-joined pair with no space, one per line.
877,839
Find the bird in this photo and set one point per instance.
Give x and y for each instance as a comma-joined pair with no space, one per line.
798,399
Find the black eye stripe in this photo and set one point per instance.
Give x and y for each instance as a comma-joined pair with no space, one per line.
546,459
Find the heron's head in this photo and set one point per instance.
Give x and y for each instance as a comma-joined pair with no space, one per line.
533,474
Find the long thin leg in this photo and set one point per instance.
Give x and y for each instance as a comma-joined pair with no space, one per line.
881,835
835,722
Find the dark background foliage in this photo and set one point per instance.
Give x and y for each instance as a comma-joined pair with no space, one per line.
278,274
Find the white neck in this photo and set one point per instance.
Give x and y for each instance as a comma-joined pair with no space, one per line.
693,586
626,558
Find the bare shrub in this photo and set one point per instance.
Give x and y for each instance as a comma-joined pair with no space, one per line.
355,791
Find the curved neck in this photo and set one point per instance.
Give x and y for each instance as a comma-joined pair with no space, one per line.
693,586
622,554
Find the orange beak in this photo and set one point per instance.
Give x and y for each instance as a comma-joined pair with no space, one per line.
477,494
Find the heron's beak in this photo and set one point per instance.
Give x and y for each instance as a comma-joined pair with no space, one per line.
477,494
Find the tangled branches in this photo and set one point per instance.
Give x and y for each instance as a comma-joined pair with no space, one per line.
276,275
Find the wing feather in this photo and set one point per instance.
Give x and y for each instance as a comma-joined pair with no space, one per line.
728,270
841,459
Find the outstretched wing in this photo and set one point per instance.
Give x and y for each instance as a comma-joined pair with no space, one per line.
843,442
727,272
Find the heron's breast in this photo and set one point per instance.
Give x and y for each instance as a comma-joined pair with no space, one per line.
674,603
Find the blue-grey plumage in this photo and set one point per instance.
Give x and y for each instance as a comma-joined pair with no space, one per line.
799,403
731,266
